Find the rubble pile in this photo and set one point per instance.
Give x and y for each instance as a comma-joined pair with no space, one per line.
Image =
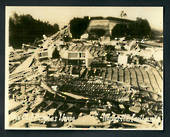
131,98
43,92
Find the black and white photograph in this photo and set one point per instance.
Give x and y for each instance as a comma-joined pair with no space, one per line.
84,68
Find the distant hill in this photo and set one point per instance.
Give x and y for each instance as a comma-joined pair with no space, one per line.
112,19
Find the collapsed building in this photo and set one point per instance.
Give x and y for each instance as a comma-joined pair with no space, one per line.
80,58
107,91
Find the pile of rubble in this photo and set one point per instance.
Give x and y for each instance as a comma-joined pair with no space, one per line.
63,99
42,93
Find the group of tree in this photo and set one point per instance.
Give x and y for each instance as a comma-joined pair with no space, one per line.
25,29
130,29
136,29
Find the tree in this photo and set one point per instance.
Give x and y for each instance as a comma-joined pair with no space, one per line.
144,27
96,33
78,26
26,29
120,30
56,26
140,28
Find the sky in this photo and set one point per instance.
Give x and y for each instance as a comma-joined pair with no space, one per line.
62,15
